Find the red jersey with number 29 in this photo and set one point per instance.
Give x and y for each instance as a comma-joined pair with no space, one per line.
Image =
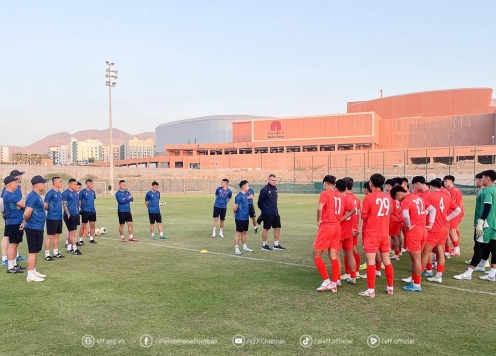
333,206
376,211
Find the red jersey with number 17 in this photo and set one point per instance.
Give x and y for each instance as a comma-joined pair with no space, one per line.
333,206
376,211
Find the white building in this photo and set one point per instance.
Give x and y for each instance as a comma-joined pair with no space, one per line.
64,155
87,150
4,154
54,154
105,153
136,148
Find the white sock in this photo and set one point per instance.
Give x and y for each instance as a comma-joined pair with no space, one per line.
80,239
4,258
66,242
457,249
276,243
236,247
11,264
47,253
492,272
161,234
131,236
75,247
17,255
153,235
55,251
69,247
327,281
439,275
469,271
244,246
221,229
122,237
91,238
371,290
264,243
31,274
214,229
389,288
482,264
416,285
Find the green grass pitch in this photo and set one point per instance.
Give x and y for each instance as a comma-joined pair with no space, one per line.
118,293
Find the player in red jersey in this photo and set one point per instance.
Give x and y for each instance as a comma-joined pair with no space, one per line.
330,212
355,230
438,231
395,222
413,209
376,211
347,230
454,233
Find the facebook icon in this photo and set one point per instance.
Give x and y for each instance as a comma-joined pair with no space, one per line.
146,340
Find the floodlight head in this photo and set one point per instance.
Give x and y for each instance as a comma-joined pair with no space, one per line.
107,62
107,83
114,84
115,77
115,71
106,76
112,63
107,70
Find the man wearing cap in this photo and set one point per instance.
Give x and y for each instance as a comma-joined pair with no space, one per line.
70,204
13,212
53,205
5,241
34,225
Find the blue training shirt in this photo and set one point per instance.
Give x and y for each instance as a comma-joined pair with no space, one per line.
87,198
123,198
221,197
13,215
72,199
250,192
54,200
37,219
153,200
243,212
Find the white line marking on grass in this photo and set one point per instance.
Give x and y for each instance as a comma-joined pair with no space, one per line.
217,253
286,263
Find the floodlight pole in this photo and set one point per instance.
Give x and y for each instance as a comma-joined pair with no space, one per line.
111,76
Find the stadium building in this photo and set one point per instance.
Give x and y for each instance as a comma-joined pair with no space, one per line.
427,127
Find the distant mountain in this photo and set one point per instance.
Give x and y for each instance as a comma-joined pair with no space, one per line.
62,138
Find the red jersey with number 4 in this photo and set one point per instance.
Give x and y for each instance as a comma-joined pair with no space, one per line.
442,203
376,211
347,224
416,208
333,206
356,205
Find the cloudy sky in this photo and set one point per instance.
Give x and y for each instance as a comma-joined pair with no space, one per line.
183,59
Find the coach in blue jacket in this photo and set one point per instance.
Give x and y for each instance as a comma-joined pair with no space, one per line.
267,203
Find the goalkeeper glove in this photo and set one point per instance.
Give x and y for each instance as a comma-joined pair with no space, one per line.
479,228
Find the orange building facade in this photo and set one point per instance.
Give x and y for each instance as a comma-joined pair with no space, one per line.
439,122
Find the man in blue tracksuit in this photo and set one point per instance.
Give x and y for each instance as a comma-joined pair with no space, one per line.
124,197
267,203
251,207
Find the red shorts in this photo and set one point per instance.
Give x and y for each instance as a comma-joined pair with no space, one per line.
436,238
453,224
394,228
328,236
416,238
372,244
347,243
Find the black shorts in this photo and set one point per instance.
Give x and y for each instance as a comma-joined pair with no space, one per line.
35,240
87,216
273,221
13,233
220,212
54,227
124,217
242,225
78,220
155,218
72,222
251,211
